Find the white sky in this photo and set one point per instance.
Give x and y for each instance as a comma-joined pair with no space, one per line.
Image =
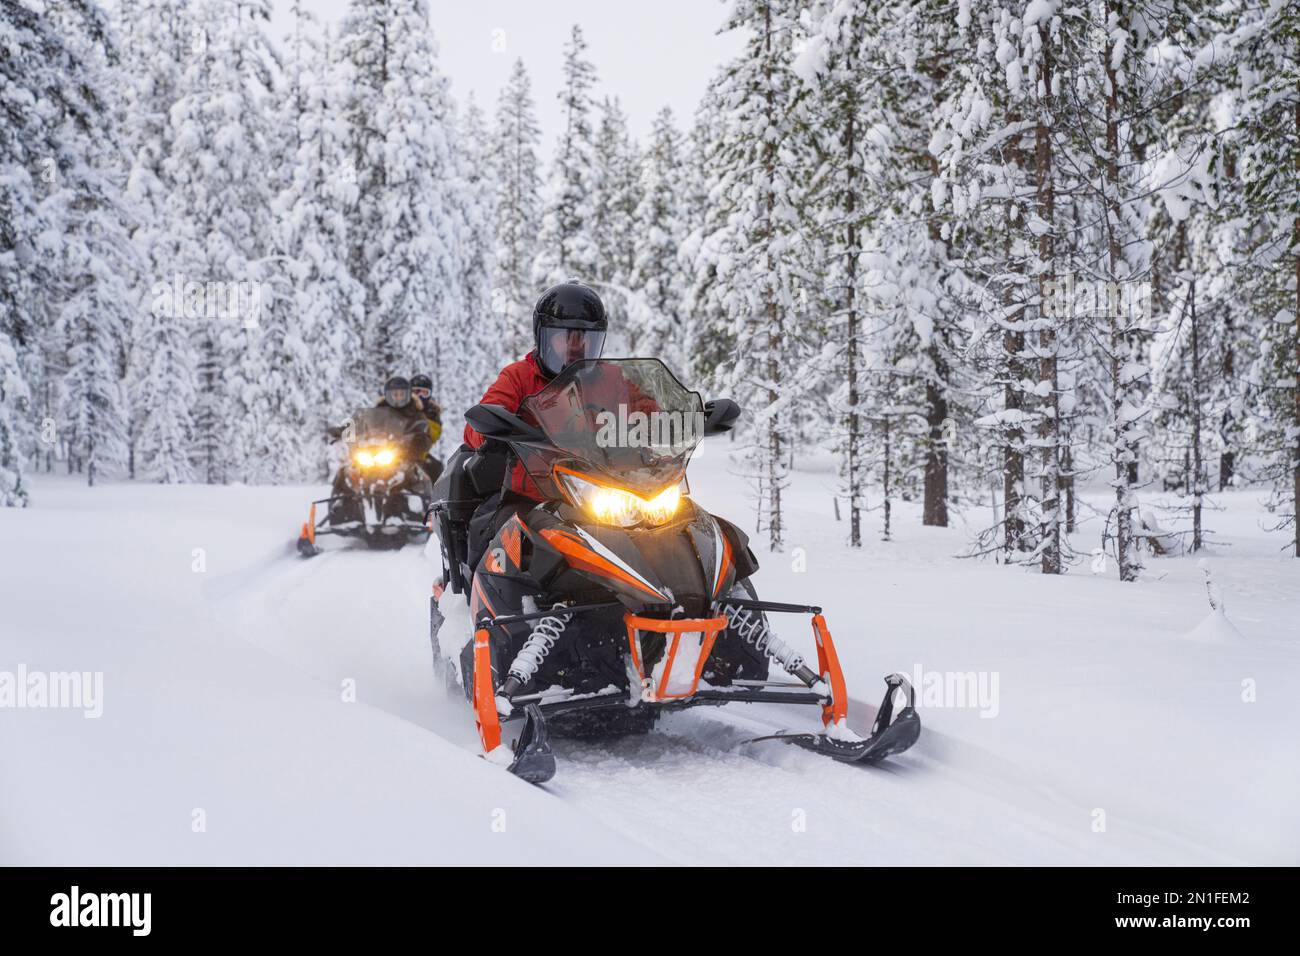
648,53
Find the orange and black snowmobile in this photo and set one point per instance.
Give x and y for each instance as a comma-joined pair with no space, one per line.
617,597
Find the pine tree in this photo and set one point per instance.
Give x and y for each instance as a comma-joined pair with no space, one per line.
54,200
567,245
615,198
518,210
417,271
660,221
1267,55
477,335
156,37
757,260
328,306
706,341
221,113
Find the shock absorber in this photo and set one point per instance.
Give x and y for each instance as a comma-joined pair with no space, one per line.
541,641
754,630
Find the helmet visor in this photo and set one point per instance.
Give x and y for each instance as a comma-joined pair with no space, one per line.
397,397
562,347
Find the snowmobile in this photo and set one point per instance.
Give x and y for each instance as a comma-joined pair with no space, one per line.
617,598
380,493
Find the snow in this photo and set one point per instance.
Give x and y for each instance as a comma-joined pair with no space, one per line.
291,703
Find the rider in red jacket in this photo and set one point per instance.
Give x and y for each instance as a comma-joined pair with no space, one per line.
569,325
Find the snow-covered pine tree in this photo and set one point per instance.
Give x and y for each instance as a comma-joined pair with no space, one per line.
94,310
362,69
1193,310
222,115
1127,34
837,66
755,253
517,168
54,195
614,202
156,38
1005,170
567,244
878,78
984,179
416,268
476,334
1267,57
706,340
660,228
328,308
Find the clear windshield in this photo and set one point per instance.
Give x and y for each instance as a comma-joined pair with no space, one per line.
628,418
379,425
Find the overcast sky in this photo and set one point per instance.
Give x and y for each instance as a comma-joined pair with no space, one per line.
648,54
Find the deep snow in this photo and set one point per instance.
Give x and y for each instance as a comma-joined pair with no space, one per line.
1118,733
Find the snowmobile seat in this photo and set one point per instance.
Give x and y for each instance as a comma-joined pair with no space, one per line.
486,469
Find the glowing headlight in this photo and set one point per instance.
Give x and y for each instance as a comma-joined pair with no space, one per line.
382,458
621,508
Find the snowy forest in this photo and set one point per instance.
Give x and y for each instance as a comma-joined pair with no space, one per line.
978,253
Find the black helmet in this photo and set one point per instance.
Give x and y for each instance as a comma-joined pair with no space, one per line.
397,392
422,382
569,325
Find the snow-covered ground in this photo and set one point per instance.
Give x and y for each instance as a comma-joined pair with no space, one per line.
258,708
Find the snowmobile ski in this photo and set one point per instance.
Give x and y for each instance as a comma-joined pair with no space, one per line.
534,761
887,736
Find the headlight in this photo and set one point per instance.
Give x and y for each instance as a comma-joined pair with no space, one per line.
381,458
618,507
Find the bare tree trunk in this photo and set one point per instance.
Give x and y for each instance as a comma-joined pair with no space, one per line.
1228,456
1197,466
1049,426
852,463
935,496
1125,542
1013,457
886,476
774,336
1295,370
935,512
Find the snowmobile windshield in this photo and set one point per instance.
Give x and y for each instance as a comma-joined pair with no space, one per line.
378,425
629,419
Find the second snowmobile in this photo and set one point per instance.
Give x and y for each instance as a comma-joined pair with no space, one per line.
616,597
380,492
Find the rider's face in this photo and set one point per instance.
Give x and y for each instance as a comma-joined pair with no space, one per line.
563,347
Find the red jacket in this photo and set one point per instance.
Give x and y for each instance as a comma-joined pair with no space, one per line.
516,382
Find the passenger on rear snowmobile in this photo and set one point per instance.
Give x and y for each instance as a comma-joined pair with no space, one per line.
422,389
